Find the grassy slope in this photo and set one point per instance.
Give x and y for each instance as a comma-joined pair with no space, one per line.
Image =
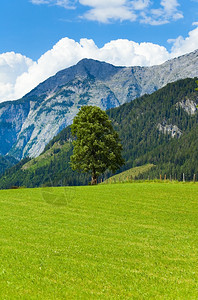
45,158
109,241
130,174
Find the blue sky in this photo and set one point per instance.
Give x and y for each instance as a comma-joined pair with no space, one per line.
40,37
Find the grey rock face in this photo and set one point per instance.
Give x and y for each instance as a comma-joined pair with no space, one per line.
12,116
28,124
189,106
173,130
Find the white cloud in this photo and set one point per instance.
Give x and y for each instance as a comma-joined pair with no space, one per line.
19,74
168,11
40,1
110,13
12,66
129,53
105,11
64,3
183,45
140,4
169,5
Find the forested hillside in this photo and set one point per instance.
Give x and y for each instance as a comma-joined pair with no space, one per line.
161,129
173,149
6,162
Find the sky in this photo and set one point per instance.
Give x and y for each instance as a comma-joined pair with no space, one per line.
38,38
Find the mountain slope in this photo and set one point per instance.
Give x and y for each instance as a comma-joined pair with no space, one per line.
28,124
6,162
159,129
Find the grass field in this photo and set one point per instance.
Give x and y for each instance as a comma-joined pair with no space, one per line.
119,241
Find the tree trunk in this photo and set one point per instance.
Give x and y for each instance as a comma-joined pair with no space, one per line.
93,178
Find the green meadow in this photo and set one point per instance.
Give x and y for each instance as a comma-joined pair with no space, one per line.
116,241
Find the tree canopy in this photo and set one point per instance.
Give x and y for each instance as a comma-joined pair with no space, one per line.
97,145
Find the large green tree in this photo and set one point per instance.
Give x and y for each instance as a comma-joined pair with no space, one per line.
97,146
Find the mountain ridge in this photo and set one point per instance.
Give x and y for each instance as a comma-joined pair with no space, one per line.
66,75
28,124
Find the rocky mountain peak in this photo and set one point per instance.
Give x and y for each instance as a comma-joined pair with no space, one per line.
84,68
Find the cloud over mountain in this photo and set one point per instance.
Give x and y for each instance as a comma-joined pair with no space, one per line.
12,66
19,74
183,45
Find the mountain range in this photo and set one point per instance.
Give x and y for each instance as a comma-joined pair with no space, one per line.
160,129
27,125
